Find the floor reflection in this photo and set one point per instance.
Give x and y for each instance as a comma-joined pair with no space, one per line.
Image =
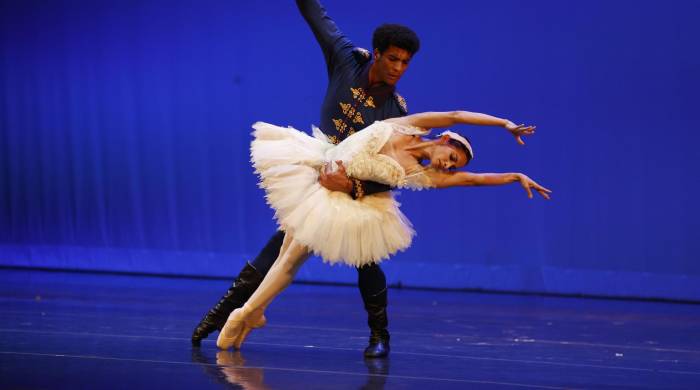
232,366
377,373
228,368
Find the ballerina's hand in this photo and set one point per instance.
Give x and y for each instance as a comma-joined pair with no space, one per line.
335,181
519,131
528,183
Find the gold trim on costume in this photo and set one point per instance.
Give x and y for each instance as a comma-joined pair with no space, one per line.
401,101
340,125
358,93
361,96
358,119
348,110
359,190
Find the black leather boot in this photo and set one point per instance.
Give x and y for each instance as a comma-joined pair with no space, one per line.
242,288
377,320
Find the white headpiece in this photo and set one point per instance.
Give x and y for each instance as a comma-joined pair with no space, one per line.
459,139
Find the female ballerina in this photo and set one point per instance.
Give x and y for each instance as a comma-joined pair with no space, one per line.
332,224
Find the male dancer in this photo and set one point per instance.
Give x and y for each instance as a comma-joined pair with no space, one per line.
360,91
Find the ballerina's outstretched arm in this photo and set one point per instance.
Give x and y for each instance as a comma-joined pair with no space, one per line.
442,179
430,120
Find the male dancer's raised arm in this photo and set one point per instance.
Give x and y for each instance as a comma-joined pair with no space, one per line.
335,45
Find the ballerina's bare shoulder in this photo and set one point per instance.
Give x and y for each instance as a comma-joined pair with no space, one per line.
399,143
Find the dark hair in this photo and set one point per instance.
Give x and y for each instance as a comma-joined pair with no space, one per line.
395,35
462,147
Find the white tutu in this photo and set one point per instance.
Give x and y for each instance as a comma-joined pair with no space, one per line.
331,224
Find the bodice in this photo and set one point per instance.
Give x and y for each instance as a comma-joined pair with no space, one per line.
362,160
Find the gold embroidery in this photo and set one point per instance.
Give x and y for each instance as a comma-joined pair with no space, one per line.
401,101
358,119
347,109
340,125
359,191
333,139
358,93
351,132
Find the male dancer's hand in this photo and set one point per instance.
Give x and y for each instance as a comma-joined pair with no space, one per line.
518,131
335,181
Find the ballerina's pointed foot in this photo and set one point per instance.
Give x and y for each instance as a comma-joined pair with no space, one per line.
255,321
232,330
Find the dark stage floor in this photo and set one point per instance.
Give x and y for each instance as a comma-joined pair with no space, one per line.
82,331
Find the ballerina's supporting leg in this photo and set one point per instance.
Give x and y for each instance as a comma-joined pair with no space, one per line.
242,321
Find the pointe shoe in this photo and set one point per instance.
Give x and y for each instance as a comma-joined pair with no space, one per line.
242,288
231,331
253,323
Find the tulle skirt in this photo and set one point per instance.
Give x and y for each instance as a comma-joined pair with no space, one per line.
331,224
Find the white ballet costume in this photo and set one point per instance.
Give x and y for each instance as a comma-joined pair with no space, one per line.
330,224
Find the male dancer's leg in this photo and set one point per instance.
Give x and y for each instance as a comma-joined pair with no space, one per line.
242,288
372,283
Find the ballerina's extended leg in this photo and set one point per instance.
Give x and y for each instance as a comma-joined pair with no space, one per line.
251,315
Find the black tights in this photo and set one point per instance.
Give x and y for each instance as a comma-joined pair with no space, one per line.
370,277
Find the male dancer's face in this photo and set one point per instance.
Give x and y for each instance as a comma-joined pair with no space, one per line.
391,64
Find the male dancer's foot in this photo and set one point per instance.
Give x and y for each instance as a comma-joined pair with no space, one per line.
378,344
242,288
377,320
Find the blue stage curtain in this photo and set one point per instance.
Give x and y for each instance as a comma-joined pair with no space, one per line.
124,132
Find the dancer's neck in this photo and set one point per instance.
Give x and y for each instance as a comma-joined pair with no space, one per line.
418,148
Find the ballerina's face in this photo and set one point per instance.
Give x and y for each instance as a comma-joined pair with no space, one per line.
445,156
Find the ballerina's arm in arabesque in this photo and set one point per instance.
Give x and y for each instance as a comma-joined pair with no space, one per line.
445,178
